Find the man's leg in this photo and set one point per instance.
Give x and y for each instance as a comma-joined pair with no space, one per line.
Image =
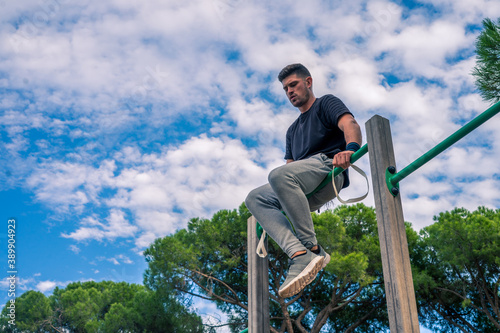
291,183
316,201
265,206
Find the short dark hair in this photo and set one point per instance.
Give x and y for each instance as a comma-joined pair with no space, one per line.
298,69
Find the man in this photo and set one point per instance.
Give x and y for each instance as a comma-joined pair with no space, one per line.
324,136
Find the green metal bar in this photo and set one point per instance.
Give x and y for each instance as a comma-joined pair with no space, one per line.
354,157
394,179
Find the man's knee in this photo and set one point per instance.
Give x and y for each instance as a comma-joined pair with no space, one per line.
252,198
277,176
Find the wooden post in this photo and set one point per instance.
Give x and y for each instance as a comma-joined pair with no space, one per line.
258,283
400,294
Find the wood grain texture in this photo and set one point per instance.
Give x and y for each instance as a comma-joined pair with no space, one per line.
258,283
400,293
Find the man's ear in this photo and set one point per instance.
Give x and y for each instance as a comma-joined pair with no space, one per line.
309,81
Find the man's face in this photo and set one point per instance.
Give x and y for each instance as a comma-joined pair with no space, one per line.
297,89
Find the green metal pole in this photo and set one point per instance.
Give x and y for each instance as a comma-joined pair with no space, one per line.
354,157
394,178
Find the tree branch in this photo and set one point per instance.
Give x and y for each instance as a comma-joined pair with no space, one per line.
360,321
483,310
235,300
457,325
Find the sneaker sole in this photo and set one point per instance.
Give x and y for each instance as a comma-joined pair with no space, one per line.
326,261
303,279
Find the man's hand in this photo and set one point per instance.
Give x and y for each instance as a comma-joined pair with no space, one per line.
342,159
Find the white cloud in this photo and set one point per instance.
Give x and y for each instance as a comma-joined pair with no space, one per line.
125,259
45,286
129,118
117,226
162,191
210,314
74,248
114,261
21,284
467,11
261,120
130,94
70,184
145,240
359,82
423,49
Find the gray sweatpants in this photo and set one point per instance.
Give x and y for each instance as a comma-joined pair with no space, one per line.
286,191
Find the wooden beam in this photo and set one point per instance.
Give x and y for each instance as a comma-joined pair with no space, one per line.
400,293
258,283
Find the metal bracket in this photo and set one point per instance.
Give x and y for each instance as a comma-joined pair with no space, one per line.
389,172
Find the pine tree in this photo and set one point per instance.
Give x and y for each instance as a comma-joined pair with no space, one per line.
487,70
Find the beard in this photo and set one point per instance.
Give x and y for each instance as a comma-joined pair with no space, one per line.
301,101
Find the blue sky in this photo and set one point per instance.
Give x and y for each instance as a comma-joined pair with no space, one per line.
121,120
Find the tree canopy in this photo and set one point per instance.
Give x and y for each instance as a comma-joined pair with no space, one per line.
101,307
209,260
457,271
487,70
455,265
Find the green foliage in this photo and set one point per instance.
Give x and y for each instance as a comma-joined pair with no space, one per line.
457,274
455,265
349,234
209,260
80,306
487,70
161,312
102,307
31,311
455,268
352,283
119,319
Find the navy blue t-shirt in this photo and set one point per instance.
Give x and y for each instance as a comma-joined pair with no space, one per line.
316,131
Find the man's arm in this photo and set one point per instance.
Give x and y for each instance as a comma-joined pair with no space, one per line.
288,161
352,133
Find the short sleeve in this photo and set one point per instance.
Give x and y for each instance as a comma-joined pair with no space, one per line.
288,149
330,111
